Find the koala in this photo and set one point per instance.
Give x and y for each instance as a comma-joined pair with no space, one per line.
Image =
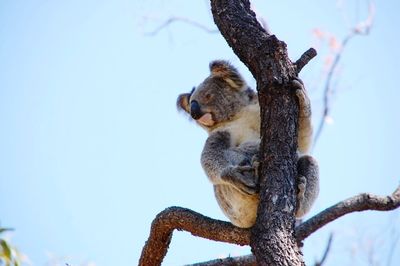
229,111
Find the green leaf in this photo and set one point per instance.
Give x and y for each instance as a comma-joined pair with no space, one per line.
6,249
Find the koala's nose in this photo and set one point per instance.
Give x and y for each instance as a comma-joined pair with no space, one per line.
195,110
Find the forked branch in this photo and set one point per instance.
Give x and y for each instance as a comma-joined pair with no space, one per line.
183,219
250,260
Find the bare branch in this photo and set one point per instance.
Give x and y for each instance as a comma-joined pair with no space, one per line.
259,51
197,24
362,202
199,225
178,218
305,58
362,28
184,20
327,249
247,260
250,260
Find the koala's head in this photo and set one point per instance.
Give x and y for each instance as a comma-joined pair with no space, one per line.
221,96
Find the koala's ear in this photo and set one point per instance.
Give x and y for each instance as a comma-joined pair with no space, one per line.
251,95
182,103
224,70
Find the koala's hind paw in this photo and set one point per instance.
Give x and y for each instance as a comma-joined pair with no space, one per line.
242,177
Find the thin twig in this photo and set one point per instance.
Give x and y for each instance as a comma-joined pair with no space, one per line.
363,28
184,20
327,249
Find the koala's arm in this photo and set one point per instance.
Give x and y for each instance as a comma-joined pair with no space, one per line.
213,159
305,127
227,166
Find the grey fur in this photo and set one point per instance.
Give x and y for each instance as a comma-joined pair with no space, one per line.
228,110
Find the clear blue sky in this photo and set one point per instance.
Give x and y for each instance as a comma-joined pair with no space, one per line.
92,147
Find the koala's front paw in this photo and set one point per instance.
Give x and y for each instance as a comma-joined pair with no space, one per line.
242,177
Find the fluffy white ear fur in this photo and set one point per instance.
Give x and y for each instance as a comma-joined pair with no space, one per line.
182,102
223,69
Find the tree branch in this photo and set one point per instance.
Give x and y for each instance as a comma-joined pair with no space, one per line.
184,20
178,218
272,239
362,202
199,225
305,58
254,46
247,260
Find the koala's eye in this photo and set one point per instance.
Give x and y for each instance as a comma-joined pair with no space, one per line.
208,97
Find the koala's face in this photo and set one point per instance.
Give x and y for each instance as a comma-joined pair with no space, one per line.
218,98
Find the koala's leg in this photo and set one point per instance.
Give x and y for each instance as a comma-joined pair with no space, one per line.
213,157
305,127
307,184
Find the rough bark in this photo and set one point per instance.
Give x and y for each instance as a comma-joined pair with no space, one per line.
199,225
178,218
361,202
248,260
272,238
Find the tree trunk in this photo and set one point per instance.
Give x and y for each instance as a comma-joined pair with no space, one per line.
272,240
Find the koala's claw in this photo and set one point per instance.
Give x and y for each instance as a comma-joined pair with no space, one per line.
242,177
298,83
255,163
